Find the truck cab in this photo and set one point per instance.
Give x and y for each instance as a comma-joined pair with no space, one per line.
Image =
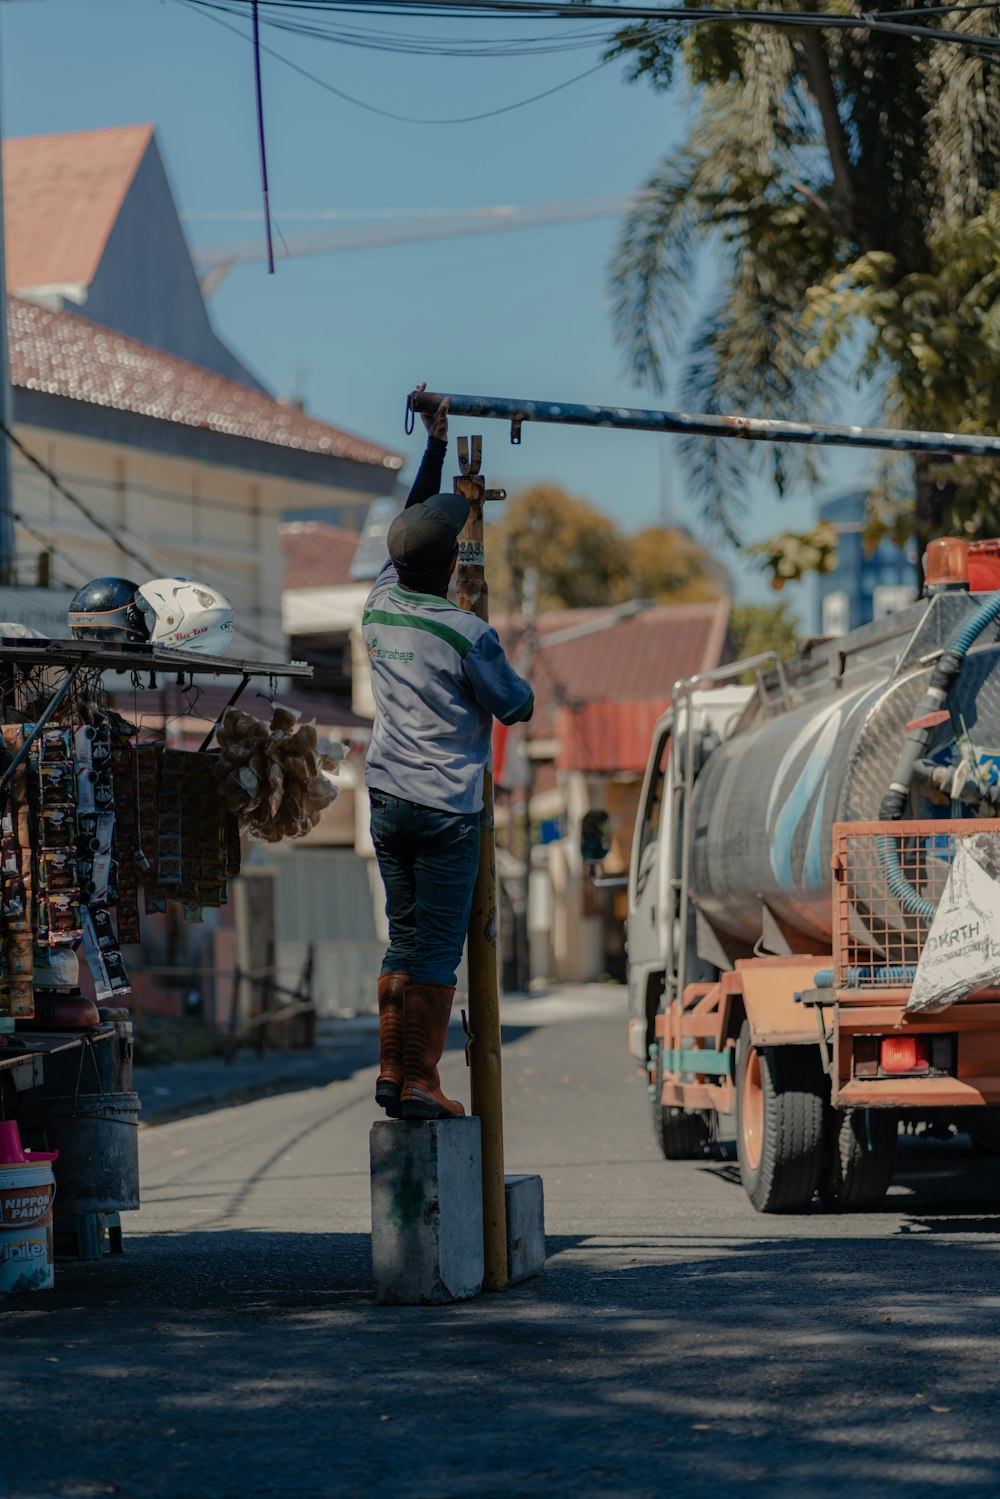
656,864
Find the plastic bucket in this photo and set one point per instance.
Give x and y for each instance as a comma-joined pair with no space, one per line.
26,1196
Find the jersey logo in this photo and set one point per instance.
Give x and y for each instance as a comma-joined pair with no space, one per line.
377,653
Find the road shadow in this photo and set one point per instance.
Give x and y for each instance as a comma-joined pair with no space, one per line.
234,1364
948,1186
186,1089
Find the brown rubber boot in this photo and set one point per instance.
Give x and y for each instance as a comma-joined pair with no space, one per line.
391,988
426,1012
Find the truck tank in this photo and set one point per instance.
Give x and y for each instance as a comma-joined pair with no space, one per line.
821,748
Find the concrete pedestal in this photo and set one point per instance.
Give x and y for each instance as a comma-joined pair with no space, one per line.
525,1227
427,1210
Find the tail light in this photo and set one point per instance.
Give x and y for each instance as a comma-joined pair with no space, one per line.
899,1054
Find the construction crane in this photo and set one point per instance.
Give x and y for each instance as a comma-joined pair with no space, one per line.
214,262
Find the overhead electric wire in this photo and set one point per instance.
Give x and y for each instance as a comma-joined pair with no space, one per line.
73,499
389,114
114,535
672,18
377,39
683,18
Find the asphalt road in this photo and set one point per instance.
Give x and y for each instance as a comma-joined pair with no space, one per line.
678,1344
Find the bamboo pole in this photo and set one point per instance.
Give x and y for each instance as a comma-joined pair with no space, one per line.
484,985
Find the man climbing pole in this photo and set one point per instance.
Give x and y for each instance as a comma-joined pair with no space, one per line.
439,677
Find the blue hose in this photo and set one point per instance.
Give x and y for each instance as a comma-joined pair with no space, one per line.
874,973
912,902
942,680
969,633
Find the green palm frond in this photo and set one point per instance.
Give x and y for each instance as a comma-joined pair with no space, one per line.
653,268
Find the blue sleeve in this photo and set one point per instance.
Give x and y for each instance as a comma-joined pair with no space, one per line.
494,682
428,476
426,483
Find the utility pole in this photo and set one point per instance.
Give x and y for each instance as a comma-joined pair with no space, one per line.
484,981
7,554
526,657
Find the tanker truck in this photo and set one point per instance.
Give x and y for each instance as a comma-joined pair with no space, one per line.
797,828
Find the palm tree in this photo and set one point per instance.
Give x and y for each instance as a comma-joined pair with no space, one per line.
841,188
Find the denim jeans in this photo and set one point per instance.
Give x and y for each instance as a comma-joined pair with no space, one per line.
428,861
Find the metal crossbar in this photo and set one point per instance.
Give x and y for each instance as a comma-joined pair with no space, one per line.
701,424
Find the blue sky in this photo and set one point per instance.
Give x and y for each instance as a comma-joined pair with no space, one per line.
521,314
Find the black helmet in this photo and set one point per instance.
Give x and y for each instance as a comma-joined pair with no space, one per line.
105,609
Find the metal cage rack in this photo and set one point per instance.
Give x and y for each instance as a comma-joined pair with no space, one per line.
888,880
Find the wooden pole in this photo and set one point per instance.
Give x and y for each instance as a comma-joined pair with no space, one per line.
484,986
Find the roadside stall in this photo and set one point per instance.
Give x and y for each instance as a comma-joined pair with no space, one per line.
100,823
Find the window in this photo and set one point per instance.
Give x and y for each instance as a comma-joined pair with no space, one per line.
653,810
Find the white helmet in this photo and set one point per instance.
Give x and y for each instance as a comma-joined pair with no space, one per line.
187,615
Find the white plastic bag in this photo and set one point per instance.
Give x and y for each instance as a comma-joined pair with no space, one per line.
962,952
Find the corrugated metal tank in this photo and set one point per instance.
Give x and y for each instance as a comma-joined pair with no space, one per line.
764,805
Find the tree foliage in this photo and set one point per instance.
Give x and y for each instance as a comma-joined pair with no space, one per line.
845,184
756,628
580,558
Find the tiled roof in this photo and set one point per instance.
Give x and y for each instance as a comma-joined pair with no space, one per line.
61,354
600,695
317,555
62,194
638,658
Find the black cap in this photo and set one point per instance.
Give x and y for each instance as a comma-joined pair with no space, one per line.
423,538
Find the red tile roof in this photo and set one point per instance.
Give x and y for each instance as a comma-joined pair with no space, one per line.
599,695
62,354
62,195
317,555
638,658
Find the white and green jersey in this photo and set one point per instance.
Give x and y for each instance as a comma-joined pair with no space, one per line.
440,677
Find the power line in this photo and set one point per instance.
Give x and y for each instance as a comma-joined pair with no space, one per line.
672,19
73,499
115,536
206,8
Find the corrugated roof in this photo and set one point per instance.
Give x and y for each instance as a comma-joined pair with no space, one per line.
317,555
638,658
62,195
62,354
599,696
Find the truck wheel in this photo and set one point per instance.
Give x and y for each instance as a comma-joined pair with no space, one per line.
780,1103
861,1154
681,1136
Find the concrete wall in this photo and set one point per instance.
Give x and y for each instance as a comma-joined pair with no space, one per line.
329,897
185,516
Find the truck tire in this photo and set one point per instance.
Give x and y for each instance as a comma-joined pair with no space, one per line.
780,1107
681,1136
861,1154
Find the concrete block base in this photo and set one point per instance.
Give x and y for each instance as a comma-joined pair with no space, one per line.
427,1211
525,1227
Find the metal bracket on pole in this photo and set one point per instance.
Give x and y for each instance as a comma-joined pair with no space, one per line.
470,456
238,693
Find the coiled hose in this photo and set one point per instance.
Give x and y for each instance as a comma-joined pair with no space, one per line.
893,803
868,973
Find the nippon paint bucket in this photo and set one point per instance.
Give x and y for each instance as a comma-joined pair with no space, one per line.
27,1192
